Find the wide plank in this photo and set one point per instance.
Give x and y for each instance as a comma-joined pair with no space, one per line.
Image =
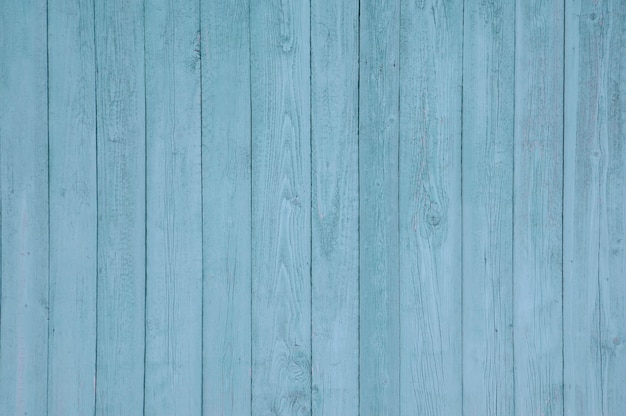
379,319
120,100
594,214
281,207
537,208
430,208
487,179
24,231
226,198
73,207
335,196
173,374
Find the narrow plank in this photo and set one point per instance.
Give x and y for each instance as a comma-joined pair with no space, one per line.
594,215
488,119
173,379
430,207
281,203
335,195
613,210
226,207
73,208
120,101
24,200
378,213
537,219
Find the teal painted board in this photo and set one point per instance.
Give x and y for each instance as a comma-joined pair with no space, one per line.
335,207
24,207
173,374
431,348
281,208
120,106
226,207
379,308
487,179
430,208
73,208
594,215
537,208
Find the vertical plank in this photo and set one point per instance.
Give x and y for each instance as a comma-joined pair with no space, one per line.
488,118
281,203
73,207
173,379
120,101
430,207
594,216
335,195
378,202
24,200
537,219
226,207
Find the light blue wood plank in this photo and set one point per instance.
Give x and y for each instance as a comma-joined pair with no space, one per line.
594,216
24,201
335,195
537,219
73,208
227,209
430,207
488,118
378,212
173,379
281,208
120,100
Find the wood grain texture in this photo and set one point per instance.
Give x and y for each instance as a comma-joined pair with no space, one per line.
430,207
335,195
537,219
24,207
281,208
120,100
226,207
173,374
487,179
594,214
73,208
378,198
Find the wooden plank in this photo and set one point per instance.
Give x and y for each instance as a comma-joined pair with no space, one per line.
24,207
335,195
378,212
488,118
594,216
430,208
281,203
173,379
537,207
226,207
73,208
120,100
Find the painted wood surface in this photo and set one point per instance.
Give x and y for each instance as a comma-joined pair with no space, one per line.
537,208
173,346
389,207
281,207
121,157
487,179
24,189
594,214
430,208
379,277
335,207
73,208
226,197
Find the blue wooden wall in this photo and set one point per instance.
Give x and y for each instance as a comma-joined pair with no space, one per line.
313,207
